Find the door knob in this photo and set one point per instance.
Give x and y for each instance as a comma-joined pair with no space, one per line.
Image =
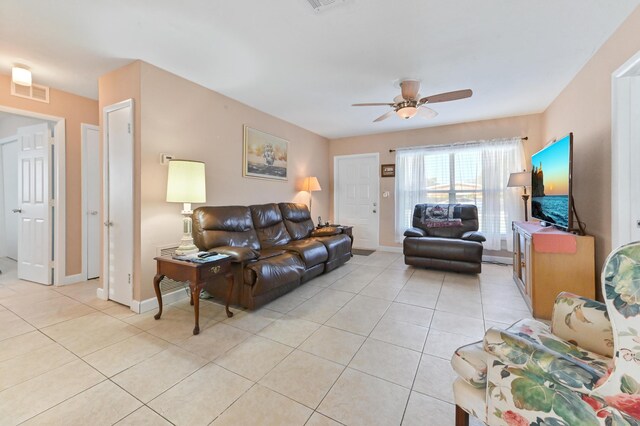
93,212
17,210
375,211
108,224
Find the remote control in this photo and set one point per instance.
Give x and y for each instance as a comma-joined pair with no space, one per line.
208,254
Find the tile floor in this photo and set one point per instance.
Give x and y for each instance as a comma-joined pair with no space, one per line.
366,344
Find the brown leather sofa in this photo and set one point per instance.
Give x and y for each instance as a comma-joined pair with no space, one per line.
274,248
455,247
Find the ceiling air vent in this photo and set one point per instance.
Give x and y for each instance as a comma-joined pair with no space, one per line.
34,92
321,5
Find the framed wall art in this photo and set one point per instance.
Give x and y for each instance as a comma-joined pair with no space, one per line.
387,170
264,155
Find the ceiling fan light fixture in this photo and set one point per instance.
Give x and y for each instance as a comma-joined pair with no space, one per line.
21,74
407,112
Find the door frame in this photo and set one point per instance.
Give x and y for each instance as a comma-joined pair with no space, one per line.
59,206
336,158
103,292
83,131
623,151
3,242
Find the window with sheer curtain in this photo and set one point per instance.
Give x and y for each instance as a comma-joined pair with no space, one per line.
467,173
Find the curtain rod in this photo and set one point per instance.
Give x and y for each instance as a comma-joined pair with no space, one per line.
526,138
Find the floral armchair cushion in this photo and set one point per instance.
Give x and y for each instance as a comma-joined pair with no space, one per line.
569,375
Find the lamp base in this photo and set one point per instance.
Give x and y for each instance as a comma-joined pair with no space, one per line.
186,242
525,198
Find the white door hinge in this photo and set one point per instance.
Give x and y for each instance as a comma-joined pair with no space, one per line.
129,278
129,127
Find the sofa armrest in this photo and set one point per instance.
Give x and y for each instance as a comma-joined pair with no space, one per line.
584,322
238,254
474,236
415,232
524,358
326,231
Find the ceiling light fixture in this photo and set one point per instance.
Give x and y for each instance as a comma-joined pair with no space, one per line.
407,112
21,74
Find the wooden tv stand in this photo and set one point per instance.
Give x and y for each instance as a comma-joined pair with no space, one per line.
547,261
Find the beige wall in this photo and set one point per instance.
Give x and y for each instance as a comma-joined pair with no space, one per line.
584,108
526,125
178,117
75,110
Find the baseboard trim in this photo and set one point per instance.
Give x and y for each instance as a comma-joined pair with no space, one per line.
71,279
390,249
150,304
498,259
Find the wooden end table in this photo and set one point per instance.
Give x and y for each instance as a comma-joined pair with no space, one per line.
197,274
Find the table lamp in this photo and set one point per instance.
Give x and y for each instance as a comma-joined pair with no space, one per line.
311,184
522,179
186,184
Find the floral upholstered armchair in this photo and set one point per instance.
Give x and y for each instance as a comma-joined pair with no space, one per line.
583,370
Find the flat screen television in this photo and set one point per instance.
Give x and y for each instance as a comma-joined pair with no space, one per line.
551,183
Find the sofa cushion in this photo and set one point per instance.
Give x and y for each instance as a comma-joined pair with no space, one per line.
269,253
297,220
269,274
470,362
269,225
336,245
311,252
224,226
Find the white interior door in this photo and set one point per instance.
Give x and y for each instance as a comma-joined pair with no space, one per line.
34,210
91,191
356,197
11,220
118,191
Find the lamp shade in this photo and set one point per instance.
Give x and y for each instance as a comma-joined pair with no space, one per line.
311,184
186,182
519,179
21,75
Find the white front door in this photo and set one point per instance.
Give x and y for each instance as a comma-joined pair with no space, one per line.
356,197
34,209
118,202
11,219
92,187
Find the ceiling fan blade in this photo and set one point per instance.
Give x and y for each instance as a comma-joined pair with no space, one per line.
410,89
426,112
384,116
446,97
374,104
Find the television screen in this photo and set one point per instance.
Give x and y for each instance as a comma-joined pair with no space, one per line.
551,183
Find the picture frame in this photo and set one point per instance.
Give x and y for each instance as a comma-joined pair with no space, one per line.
387,170
265,156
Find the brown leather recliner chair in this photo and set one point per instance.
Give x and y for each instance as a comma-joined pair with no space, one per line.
452,245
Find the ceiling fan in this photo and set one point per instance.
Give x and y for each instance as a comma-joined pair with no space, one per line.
409,103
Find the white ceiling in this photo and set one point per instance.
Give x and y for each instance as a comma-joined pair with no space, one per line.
284,59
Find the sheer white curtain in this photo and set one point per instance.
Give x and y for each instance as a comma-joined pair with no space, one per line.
470,173
500,204
410,178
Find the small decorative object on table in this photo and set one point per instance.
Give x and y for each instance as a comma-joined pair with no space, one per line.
197,271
